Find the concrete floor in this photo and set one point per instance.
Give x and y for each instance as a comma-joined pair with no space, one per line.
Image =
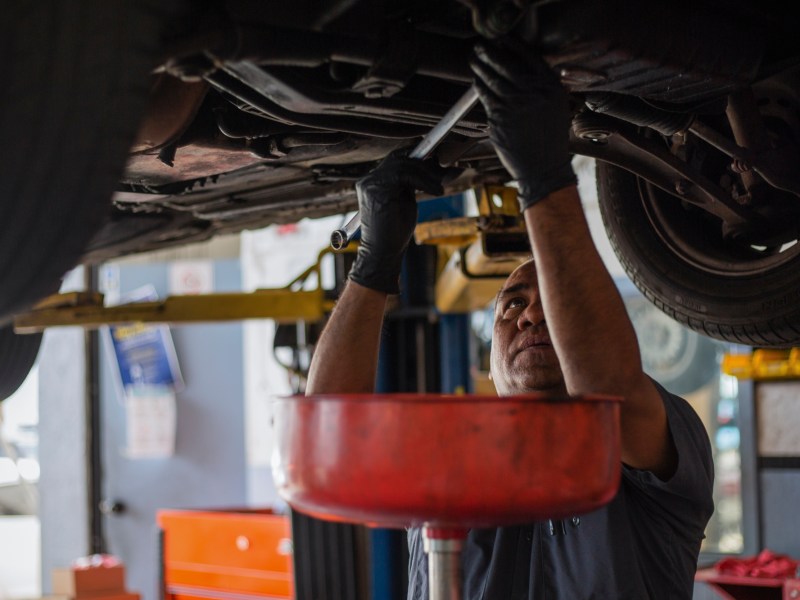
19,557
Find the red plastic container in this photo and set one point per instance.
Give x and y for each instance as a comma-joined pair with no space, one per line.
405,460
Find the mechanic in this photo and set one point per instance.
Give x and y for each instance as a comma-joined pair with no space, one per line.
560,327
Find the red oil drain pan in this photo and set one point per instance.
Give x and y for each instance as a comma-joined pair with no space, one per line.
403,460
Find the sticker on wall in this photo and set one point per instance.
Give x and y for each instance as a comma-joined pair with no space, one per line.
150,422
191,277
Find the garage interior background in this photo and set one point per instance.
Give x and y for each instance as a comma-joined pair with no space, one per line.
221,455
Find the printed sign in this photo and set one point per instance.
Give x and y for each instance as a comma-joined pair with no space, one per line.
145,353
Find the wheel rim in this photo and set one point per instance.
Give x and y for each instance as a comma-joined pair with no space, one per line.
695,237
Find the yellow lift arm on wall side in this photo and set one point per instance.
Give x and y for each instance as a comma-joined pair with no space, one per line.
288,304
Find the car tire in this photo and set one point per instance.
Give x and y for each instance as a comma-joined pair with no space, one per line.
681,360
17,356
75,85
678,259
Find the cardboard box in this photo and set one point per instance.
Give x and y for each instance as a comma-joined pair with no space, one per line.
110,596
98,596
91,581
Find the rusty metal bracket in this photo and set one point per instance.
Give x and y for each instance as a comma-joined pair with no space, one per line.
618,143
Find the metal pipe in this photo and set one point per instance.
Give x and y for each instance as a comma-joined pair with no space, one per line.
720,142
300,97
774,166
250,96
443,548
342,237
93,423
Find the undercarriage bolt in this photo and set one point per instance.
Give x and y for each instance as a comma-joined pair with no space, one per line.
682,186
739,166
592,127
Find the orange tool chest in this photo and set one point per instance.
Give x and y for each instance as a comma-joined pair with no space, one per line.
226,554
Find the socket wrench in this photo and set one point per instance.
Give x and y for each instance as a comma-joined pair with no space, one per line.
341,237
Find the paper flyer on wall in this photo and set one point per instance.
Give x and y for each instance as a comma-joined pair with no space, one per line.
148,375
150,421
144,353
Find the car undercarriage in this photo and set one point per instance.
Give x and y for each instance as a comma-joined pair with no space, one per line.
216,117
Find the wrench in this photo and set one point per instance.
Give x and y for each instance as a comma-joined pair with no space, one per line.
341,237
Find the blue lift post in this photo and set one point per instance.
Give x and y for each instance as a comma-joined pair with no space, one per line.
449,374
454,340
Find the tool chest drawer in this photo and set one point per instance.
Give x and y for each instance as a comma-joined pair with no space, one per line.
226,554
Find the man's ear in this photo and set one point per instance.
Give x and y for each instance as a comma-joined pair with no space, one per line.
490,376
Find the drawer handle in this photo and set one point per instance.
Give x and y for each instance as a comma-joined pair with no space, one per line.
285,547
242,543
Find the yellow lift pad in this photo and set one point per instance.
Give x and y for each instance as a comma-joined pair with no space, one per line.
763,364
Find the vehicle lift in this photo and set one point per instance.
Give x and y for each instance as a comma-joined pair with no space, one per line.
479,251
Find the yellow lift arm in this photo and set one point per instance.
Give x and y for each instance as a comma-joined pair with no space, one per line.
86,309
477,253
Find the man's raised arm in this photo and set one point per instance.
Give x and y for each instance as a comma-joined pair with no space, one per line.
589,326
346,357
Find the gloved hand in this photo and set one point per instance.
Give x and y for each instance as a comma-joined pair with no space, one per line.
529,117
388,208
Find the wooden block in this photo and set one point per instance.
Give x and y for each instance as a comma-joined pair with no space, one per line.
75,582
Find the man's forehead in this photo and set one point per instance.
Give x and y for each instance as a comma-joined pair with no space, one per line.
525,273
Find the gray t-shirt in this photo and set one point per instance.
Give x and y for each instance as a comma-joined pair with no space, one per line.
643,545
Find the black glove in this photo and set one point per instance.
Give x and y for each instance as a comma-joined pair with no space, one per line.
388,208
529,117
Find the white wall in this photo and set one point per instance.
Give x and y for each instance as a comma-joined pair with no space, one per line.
271,258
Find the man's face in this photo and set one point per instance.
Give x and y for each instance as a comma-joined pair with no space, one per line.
522,356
